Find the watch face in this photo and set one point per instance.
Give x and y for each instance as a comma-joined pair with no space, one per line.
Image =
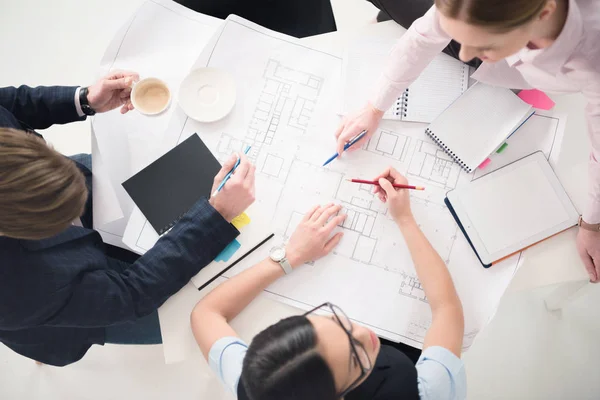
277,253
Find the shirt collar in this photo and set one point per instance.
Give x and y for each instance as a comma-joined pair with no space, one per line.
552,58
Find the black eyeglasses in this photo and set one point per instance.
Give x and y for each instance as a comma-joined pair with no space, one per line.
357,349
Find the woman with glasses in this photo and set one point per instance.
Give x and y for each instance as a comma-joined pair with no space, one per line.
323,355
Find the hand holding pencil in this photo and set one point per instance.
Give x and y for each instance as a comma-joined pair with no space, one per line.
237,193
398,200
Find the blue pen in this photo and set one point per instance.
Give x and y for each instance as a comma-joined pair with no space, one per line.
347,146
229,173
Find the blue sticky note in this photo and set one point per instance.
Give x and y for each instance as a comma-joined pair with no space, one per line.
228,251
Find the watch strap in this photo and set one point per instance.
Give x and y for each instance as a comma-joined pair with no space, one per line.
84,102
287,267
588,227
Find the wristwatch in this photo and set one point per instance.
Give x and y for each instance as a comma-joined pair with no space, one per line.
84,102
278,255
588,227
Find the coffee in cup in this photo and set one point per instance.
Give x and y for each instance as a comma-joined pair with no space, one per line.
150,96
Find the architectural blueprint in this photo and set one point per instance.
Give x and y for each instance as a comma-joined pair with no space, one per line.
285,111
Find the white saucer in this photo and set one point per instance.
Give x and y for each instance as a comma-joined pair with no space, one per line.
207,94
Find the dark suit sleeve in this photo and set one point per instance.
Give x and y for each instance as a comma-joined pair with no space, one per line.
104,297
42,106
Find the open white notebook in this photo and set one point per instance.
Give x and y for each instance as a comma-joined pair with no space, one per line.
512,208
477,123
442,82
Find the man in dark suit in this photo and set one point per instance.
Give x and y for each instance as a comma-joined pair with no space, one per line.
59,291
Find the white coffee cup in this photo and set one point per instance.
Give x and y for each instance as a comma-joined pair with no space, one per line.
150,96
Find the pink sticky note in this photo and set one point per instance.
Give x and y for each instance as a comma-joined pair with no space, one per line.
485,163
536,98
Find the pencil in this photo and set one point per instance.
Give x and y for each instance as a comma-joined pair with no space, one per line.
346,146
396,185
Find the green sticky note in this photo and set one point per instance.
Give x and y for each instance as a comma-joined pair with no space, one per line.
502,148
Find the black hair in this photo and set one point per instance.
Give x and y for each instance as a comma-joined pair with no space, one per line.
282,362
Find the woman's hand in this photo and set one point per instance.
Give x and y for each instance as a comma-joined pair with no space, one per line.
352,125
312,238
398,200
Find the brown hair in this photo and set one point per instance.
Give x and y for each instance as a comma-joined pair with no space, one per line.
41,191
501,15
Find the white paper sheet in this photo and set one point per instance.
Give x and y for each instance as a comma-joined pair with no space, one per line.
286,94
162,39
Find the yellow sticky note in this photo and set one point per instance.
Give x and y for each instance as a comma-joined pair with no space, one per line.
241,221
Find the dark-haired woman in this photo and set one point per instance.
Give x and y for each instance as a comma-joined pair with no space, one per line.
323,355
550,45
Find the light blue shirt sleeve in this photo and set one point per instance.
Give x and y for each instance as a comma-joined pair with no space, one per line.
225,358
441,375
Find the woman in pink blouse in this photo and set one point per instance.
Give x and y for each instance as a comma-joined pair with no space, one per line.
550,45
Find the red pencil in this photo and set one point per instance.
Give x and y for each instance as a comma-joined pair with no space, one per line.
396,185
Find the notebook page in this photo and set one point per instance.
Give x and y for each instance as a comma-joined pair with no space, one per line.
513,206
440,84
477,123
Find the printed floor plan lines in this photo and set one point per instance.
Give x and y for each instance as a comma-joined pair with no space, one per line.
433,165
389,144
411,286
288,98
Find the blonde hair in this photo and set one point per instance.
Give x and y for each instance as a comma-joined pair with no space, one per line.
41,191
500,15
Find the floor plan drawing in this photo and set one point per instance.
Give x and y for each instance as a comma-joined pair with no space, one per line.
289,91
411,286
389,144
288,98
431,163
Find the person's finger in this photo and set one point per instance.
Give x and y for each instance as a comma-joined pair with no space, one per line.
384,174
340,146
242,169
125,94
116,84
227,165
118,74
310,213
319,211
334,241
333,222
386,186
589,264
328,213
250,175
124,109
397,177
339,130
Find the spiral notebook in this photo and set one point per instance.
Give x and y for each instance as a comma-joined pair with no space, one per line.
166,189
478,123
440,84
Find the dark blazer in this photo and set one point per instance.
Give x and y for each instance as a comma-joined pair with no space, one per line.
57,295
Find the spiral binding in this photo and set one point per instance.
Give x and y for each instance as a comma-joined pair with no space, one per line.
402,104
447,150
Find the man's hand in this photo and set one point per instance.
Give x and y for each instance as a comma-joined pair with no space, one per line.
112,91
238,193
588,246
398,200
